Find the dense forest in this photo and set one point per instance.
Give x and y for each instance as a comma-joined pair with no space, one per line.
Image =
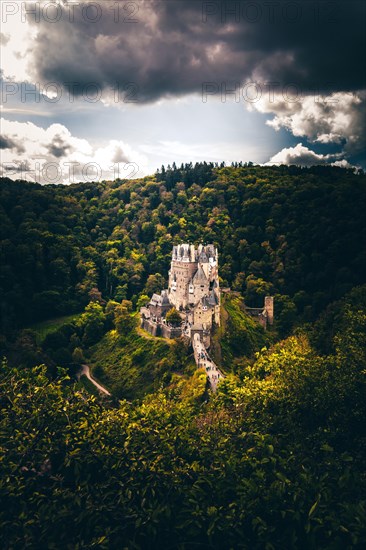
275,459
281,230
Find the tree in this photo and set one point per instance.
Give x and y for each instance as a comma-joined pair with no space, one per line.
122,318
92,322
109,311
286,314
142,301
78,356
95,295
173,317
256,289
154,283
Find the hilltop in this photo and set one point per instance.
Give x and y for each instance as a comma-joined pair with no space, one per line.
280,230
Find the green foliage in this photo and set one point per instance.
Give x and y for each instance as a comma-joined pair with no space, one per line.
92,322
283,229
286,314
336,319
173,317
276,461
276,458
122,318
239,335
45,327
155,283
134,363
142,301
78,356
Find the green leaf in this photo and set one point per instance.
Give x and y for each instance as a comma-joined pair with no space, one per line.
313,508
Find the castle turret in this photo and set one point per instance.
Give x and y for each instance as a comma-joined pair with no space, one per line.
269,308
193,289
192,274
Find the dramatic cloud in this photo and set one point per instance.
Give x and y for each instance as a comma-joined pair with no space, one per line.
303,156
336,118
53,155
8,143
58,147
170,47
300,155
145,51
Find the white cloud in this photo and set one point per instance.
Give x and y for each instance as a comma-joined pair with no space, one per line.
303,156
17,39
54,155
300,155
336,118
343,163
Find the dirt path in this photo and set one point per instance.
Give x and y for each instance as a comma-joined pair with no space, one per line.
85,370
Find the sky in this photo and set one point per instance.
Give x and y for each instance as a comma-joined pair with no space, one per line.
116,88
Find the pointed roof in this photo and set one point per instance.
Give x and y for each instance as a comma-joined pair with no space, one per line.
165,298
212,298
200,275
160,299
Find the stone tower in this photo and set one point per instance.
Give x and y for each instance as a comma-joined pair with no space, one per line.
193,276
269,308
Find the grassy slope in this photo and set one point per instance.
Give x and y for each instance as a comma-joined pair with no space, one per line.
238,336
45,327
136,364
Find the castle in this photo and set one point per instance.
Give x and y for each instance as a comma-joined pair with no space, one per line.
194,290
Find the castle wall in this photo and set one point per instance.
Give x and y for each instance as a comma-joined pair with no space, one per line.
217,314
150,326
159,310
202,316
170,332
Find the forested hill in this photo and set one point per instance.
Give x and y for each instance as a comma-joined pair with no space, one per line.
298,233
276,457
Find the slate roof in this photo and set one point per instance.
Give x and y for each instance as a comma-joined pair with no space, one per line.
160,299
212,298
200,275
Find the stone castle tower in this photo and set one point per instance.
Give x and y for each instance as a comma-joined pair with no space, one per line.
193,290
194,282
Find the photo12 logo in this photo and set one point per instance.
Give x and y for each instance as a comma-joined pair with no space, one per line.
69,10
269,11
53,92
45,172
252,92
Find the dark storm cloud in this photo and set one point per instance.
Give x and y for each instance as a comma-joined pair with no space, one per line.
9,143
6,143
174,46
58,147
